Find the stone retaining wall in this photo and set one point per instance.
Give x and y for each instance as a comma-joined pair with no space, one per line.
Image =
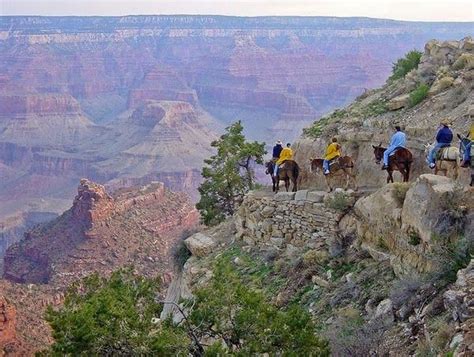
287,219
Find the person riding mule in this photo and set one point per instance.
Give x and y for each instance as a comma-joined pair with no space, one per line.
277,150
397,141
343,166
400,160
287,172
285,154
444,137
333,151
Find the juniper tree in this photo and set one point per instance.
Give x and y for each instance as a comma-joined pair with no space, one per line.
228,175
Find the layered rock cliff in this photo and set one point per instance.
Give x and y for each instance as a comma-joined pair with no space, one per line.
101,233
382,273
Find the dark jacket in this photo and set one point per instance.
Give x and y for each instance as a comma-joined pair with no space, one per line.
277,150
444,136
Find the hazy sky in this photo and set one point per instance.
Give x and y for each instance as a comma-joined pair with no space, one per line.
424,10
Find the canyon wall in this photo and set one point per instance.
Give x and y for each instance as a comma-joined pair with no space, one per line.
100,233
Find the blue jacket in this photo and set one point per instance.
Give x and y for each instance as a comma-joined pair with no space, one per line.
277,150
444,135
398,139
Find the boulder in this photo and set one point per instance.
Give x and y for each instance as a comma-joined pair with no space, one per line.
384,310
441,84
301,195
316,196
398,102
425,201
200,244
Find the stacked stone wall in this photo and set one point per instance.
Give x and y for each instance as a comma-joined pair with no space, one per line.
283,219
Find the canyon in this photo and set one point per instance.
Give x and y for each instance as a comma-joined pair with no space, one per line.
384,270
127,100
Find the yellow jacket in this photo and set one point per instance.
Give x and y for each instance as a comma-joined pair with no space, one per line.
286,154
471,132
332,151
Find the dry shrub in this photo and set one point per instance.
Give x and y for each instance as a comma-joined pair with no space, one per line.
399,192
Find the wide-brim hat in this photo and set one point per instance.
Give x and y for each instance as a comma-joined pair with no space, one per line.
279,142
445,121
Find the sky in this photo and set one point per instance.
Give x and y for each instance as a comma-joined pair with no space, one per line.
411,10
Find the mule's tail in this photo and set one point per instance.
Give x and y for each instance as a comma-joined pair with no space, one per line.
296,174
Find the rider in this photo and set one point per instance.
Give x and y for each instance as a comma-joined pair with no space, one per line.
286,154
277,150
398,140
444,137
467,150
332,152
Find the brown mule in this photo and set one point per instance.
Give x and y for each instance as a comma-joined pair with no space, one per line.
401,160
288,171
344,165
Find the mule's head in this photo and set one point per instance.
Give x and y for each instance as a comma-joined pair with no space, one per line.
378,153
463,143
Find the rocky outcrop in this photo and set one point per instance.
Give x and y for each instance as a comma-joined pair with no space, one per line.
370,119
459,301
404,223
101,233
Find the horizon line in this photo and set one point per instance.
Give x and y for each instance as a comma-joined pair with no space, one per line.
242,17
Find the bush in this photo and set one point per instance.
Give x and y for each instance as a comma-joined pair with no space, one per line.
314,257
406,64
400,191
419,94
243,322
340,202
113,316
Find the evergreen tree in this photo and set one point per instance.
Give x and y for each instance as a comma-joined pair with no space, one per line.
228,175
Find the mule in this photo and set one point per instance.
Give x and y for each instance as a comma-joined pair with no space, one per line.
447,159
343,165
400,160
288,171
465,144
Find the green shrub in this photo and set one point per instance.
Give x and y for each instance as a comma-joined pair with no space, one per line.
419,94
113,316
244,323
406,64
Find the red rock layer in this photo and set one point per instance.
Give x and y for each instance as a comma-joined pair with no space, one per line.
103,233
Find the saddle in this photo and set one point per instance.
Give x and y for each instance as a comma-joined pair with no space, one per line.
444,154
396,149
282,165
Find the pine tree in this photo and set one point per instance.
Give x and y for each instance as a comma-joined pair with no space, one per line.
228,175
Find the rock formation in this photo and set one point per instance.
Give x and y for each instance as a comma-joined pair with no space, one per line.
101,233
